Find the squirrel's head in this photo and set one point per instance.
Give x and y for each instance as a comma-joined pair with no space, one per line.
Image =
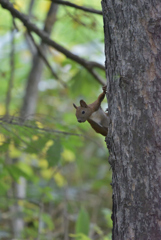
83,112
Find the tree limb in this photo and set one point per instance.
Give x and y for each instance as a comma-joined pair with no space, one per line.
88,65
69,4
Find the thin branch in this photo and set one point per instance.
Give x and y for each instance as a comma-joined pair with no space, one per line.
96,75
88,65
75,18
16,135
25,142
69,4
12,121
45,60
18,122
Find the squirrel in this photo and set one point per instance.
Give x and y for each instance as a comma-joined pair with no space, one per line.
94,114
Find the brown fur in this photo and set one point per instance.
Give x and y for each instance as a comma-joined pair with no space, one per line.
94,114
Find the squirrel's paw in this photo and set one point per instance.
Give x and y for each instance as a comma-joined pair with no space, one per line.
104,88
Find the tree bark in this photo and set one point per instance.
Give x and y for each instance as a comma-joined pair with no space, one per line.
133,69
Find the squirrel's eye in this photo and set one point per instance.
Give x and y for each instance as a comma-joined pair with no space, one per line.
83,112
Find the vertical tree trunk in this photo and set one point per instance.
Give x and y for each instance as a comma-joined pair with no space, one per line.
133,67
28,110
30,99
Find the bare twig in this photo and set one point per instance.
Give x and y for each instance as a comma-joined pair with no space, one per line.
88,65
69,4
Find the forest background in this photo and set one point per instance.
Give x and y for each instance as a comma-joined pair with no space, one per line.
55,177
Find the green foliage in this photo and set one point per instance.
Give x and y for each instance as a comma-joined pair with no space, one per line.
36,145
78,88
59,159
54,153
16,172
3,188
107,214
80,236
82,223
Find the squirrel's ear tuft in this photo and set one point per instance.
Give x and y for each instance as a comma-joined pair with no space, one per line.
74,105
83,104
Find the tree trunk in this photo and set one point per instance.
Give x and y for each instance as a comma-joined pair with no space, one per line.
28,110
30,99
133,69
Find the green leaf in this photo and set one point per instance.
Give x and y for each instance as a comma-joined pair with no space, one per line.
26,170
107,214
79,236
54,153
16,172
48,220
85,89
3,188
82,224
4,147
36,146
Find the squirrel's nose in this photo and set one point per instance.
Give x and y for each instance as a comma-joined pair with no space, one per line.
79,120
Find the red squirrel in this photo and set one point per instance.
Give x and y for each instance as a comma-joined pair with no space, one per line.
94,114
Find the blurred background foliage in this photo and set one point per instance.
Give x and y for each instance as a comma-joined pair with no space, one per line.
54,172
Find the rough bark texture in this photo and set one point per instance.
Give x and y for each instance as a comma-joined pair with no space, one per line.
133,67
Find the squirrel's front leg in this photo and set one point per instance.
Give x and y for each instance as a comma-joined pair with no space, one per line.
102,95
100,98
